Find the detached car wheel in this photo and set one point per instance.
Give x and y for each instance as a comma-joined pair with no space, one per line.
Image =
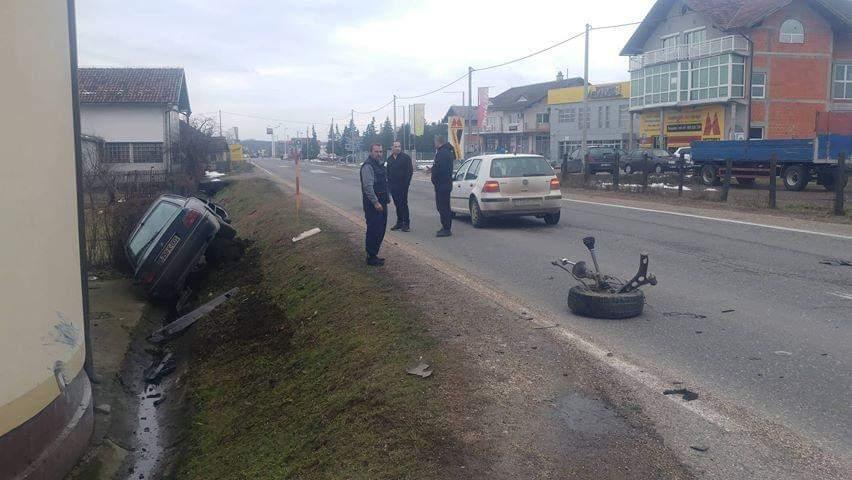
476,214
611,306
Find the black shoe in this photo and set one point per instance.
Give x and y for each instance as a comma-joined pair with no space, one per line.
406,228
396,227
375,261
444,233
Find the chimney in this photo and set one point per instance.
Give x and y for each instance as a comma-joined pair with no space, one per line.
559,76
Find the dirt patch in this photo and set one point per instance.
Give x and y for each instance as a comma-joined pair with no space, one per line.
317,387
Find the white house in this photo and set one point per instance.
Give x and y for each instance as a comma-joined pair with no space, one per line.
137,112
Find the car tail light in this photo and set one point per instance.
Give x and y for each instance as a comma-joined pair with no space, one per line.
190,218
491,187
148,278
554,183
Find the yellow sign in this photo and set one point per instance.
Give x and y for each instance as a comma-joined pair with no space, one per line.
455,126
683,126
236,152
596,92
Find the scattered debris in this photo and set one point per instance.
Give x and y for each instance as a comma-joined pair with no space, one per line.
547,327
306,234
160,369
782,353
684,314
93,278
686,394
422,370
187,320
699,448
104,408
754,358
526,315
729,310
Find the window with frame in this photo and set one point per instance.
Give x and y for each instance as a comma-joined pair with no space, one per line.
668,42
541,118
623,113
473,171
758,85
721,76
843,82
792,31
694,36
583,117
600,116
606,116
148,152
567,115
542,145
117,152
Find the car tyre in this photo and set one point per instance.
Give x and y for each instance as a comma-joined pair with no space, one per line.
476,218
226,231
552,218
611,306
628,169
658,169
709,175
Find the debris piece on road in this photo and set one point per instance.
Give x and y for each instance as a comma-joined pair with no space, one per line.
729,310
160,369
699,448
696,316
104,408
422,370
686,394
187,320
782,353
306,234
837,262
526,315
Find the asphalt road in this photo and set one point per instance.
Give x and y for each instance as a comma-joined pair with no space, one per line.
744,311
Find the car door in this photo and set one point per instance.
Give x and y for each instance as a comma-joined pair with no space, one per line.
457,196
468,183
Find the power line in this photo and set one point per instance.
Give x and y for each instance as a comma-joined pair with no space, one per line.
616,26
271,119
433,91
531,54
373,111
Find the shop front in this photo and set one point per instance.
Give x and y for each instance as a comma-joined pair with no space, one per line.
675,128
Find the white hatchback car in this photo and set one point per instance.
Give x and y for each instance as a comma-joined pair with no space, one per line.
506,185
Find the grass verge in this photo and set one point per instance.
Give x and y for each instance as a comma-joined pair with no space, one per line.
302,375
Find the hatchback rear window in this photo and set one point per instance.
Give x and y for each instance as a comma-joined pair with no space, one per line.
153,224
520,167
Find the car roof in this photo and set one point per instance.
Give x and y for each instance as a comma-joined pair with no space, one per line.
504,155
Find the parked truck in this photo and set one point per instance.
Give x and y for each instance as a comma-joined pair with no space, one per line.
799,161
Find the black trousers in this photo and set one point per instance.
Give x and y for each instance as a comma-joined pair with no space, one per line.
442,203
400,202
377,223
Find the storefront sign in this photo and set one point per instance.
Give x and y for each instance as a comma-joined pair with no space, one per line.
681,127
455,134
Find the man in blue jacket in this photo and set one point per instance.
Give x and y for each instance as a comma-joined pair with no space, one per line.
442,179
374,195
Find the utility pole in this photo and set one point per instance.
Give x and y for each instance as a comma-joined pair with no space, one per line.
352,133
220,123
586,113
332,138
272,140
466,134
394,117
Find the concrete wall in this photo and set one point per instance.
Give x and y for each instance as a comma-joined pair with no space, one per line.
41,309
123,123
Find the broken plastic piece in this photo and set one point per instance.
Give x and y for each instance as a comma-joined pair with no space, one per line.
687,395
422,370
304,235
185,321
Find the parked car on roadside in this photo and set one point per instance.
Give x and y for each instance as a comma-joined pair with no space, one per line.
171,239
687,154
658,161
599,159
490,186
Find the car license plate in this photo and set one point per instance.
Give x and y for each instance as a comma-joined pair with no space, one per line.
168,249
527,202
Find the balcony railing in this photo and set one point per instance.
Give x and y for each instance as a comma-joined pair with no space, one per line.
716,46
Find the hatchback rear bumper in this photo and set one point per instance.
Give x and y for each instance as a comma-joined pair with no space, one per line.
496,206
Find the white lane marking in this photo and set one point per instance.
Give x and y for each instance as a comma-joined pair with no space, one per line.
847,296
336,178
318,171
726,220
283,166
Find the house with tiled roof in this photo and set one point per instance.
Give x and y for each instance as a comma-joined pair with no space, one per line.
137,112
731,69
518,119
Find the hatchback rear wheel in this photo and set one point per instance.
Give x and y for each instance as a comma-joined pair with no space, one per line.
552,218
476,214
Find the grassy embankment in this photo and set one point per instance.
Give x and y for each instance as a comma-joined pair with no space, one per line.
302,375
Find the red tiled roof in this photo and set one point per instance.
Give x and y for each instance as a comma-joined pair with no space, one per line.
133,85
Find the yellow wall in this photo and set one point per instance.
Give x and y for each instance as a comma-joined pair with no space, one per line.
41,294
575,94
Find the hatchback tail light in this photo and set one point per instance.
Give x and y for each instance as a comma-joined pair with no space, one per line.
491,187
554,183
190,217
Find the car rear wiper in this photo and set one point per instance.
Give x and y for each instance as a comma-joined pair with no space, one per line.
535,174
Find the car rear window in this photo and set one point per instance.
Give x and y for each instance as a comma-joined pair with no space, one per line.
520,167
658,152
159,217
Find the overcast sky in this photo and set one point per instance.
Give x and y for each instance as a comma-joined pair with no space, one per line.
308,61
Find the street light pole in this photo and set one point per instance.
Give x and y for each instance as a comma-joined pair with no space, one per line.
394,117
586,113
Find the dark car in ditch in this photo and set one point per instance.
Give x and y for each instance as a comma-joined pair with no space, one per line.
171,239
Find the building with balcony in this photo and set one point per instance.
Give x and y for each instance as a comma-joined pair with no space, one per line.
518,119
607,119
697,68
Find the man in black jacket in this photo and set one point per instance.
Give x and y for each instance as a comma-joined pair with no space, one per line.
400,172
442,179
374,195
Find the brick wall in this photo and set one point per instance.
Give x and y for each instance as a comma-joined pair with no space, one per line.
792,119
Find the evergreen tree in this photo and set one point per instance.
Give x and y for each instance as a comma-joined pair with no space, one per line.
350,131
313,144
332,137
386,135
371,135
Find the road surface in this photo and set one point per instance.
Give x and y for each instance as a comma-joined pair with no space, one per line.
742,310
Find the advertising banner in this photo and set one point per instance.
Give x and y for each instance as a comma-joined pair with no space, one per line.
482,109
236,152
681,127
455,135
417,116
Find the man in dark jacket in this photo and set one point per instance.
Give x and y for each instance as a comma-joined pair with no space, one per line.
374,195
400,172
442,179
